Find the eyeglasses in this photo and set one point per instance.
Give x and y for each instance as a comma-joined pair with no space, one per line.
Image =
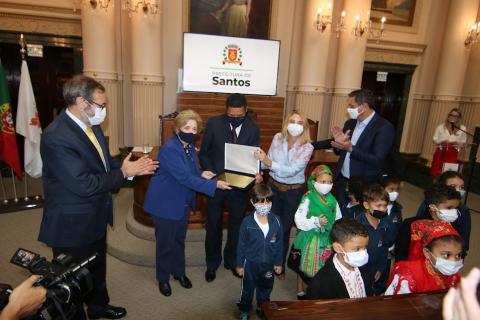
101,106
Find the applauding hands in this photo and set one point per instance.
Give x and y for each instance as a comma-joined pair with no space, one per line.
341,140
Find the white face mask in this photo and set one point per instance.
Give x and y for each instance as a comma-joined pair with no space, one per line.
393,196
356,259
448,267
353,113
323,188
262,209
99,116
462,193
448,215
295,129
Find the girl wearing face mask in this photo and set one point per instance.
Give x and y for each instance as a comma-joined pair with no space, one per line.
287,160
439,266
314,218
171,195
463,223
450,139
441,203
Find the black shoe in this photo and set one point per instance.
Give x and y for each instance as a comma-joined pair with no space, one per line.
110,312
184,281
165,289
210,275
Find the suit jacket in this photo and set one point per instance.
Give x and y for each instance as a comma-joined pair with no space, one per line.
175,182
217,133
328,283
367,158
77,187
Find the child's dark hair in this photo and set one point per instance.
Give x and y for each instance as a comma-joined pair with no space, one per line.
446,238
347,228
355,188
387,180
375,192
447,175
261,192
437,194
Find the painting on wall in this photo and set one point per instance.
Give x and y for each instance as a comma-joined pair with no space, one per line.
235,18
399,12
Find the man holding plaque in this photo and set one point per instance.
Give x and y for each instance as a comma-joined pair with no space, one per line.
231,127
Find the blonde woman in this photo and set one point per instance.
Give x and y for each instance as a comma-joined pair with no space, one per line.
287,160
171,195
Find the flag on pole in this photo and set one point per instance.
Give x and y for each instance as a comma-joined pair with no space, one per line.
28,124
8,141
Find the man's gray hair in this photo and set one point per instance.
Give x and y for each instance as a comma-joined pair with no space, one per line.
80,86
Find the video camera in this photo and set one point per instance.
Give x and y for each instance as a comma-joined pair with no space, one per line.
67,283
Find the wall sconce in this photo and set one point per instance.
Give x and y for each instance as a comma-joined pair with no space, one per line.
147,6
362,27
473,35
325,19
94,4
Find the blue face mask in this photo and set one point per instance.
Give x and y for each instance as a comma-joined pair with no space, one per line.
187,137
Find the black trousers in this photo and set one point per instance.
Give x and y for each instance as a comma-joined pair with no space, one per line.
284,205
98,299
237,201
170,246
341,191
258,278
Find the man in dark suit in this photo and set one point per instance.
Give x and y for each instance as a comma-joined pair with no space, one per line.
78,178
363,144
231,127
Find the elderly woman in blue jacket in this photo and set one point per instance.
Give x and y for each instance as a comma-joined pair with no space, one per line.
171,195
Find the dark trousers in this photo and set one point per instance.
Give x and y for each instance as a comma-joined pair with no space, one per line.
236,203
284,205
341,194
170,246
256,277
98,299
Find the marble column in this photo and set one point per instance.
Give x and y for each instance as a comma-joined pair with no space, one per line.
316,64
451,69
99,62
350,59
147,76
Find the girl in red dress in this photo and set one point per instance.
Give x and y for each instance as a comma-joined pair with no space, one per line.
441,263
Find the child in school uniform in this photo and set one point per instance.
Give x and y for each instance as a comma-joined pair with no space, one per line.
341,277
391,184
438,269
259,251
375,201
354,192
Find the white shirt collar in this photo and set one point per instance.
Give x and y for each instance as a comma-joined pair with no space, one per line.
79,122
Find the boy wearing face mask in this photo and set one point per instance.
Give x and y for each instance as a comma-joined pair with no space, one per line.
314,218
354,192
341,277
464,222
375,218
441,203
259,251
439,266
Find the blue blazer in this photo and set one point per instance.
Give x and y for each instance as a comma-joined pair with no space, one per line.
173,185
77,188
367,158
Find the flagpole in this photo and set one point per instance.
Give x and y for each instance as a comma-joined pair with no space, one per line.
26,187
5,200
15,199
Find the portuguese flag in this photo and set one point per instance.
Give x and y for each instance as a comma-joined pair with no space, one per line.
8,141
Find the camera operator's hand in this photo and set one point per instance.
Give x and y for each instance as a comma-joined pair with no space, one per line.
24,300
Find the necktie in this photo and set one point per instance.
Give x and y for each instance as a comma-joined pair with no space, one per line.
234,135
94,140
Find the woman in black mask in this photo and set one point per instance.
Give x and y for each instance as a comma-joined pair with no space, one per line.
171,195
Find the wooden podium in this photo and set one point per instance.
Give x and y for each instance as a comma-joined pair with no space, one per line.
412,306
198,218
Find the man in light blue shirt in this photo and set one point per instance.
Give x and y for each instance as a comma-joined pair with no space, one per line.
363,144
